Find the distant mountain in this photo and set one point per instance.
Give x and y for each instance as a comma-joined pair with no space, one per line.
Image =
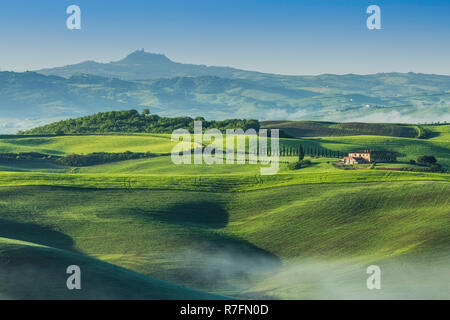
147,80
141,65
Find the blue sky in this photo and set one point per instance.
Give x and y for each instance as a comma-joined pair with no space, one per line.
287,37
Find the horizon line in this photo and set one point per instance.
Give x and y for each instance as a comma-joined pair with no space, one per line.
222,66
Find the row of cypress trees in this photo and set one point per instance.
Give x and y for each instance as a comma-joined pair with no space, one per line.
312,151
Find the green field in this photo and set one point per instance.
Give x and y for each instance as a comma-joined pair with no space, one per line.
321,128
150,229
237,243
32,271
407,148
60,145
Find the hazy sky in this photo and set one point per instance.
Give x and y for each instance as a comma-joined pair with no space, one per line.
288,37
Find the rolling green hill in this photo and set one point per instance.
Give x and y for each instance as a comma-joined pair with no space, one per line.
407,148
224,230
248,244
324,129
83,144
159,144
130,121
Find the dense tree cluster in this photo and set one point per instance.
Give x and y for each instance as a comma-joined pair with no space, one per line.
129,121
431,162
426,159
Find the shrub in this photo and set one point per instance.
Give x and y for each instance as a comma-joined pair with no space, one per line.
412,161
426,159
298,164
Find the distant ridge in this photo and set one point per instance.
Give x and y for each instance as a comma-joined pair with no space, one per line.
142,65
149,80
31,99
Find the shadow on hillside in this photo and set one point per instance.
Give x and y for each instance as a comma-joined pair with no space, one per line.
40,273
30,232
433,134
206,214
210,260
225,263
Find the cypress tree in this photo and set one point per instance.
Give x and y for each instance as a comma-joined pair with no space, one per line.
301,153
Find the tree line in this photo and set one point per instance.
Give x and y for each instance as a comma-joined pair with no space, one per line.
131,121
9,156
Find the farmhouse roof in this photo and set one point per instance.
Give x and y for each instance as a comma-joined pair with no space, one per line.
371,151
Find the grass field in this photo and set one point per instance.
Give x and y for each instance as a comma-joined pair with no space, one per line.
322,128
234,243
223,229
226,183
164,166
408,148
60,145
31,271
